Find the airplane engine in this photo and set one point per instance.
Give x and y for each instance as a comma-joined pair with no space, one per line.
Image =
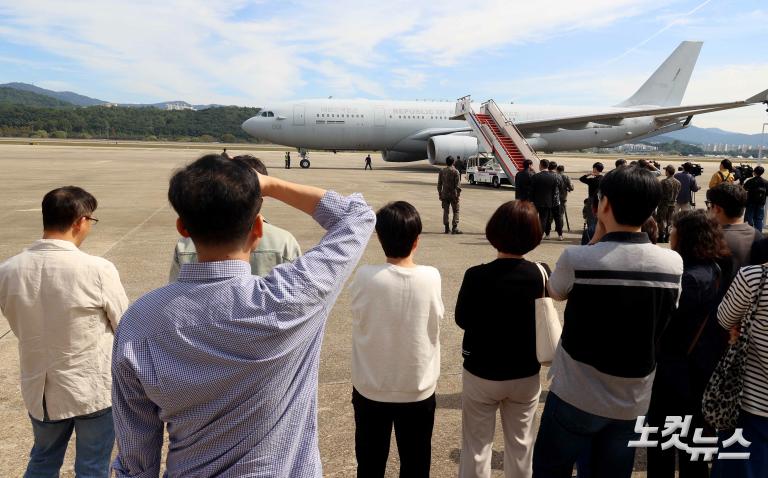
401,156
440,147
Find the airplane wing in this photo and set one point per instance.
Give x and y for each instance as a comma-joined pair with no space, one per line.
662,114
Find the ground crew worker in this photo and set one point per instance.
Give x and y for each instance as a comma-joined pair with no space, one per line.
287,160
670,188
368,163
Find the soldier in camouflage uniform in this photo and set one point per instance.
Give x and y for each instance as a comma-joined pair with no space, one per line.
448,191
670,188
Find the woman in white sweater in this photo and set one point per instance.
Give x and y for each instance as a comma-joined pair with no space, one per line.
753,419
396,312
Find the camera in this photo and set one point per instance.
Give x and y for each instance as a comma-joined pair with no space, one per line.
695,168
743,172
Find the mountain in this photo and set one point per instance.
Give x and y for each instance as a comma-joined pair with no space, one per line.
695,135
27,98
80,100
68,96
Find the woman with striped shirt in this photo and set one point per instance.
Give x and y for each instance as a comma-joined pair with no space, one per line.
754,398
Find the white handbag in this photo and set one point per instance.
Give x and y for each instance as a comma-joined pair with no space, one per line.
548,326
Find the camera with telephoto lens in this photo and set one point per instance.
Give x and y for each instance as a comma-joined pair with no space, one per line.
696,169
744,172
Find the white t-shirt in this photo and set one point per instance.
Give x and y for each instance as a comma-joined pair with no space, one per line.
396,314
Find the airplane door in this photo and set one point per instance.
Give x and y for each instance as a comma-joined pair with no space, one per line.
298,115
379,116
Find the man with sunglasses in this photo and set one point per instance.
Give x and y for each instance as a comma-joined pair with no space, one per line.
64,306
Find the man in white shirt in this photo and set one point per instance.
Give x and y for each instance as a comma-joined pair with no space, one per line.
396,312
64,306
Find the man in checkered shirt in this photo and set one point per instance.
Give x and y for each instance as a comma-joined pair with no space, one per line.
227,360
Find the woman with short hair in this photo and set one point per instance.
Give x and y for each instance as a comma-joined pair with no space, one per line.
495,308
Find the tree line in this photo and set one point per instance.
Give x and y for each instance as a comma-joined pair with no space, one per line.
213,124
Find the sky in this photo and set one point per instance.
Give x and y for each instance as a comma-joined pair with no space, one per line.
587,52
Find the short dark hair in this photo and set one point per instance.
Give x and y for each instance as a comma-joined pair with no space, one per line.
543,164
651,227
729,196
514,228
670,170
599,166
560,168
620,162
634,193
758,171
699,236
217,199
398,225
552,166
687,166
527,163
63,206
449,161
727,164
252,162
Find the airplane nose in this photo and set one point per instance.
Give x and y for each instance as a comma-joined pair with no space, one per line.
250,126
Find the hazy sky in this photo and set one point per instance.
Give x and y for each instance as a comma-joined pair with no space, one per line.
585,52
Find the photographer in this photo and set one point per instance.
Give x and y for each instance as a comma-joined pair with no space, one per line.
724,175
688,186
757,191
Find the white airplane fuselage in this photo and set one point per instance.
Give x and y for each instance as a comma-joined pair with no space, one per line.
390,126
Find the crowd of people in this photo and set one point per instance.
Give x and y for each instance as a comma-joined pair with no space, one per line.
225,357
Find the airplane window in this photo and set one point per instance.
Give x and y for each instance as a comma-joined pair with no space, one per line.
270,114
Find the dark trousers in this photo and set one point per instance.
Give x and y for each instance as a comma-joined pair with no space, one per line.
755,430
368,166
567,433
556,214
549,214
413,423
675,395
754,215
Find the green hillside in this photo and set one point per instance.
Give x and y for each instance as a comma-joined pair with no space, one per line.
125,123
27,98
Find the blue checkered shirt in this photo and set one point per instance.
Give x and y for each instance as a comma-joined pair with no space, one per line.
229,361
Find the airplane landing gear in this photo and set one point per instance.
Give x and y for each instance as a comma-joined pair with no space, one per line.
304,163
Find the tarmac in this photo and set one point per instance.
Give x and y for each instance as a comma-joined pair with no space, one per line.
137,233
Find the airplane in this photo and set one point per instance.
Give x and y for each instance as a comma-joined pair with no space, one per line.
406,131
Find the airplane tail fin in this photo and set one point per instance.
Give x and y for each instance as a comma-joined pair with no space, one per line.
667,85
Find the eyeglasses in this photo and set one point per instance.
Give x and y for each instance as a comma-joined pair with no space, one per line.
91,219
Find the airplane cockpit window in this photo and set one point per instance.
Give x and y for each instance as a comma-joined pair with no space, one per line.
270,114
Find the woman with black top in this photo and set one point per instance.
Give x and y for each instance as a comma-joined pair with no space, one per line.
496,309
680,377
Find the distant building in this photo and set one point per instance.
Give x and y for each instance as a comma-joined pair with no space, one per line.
177,106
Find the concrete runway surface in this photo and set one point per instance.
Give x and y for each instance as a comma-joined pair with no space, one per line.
136,232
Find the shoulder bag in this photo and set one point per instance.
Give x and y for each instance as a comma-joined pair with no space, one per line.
721,403
548,326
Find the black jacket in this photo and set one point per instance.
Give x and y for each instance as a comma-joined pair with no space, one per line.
523,180
500,341
545,189
757,190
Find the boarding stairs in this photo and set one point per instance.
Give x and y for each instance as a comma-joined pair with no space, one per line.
497,135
